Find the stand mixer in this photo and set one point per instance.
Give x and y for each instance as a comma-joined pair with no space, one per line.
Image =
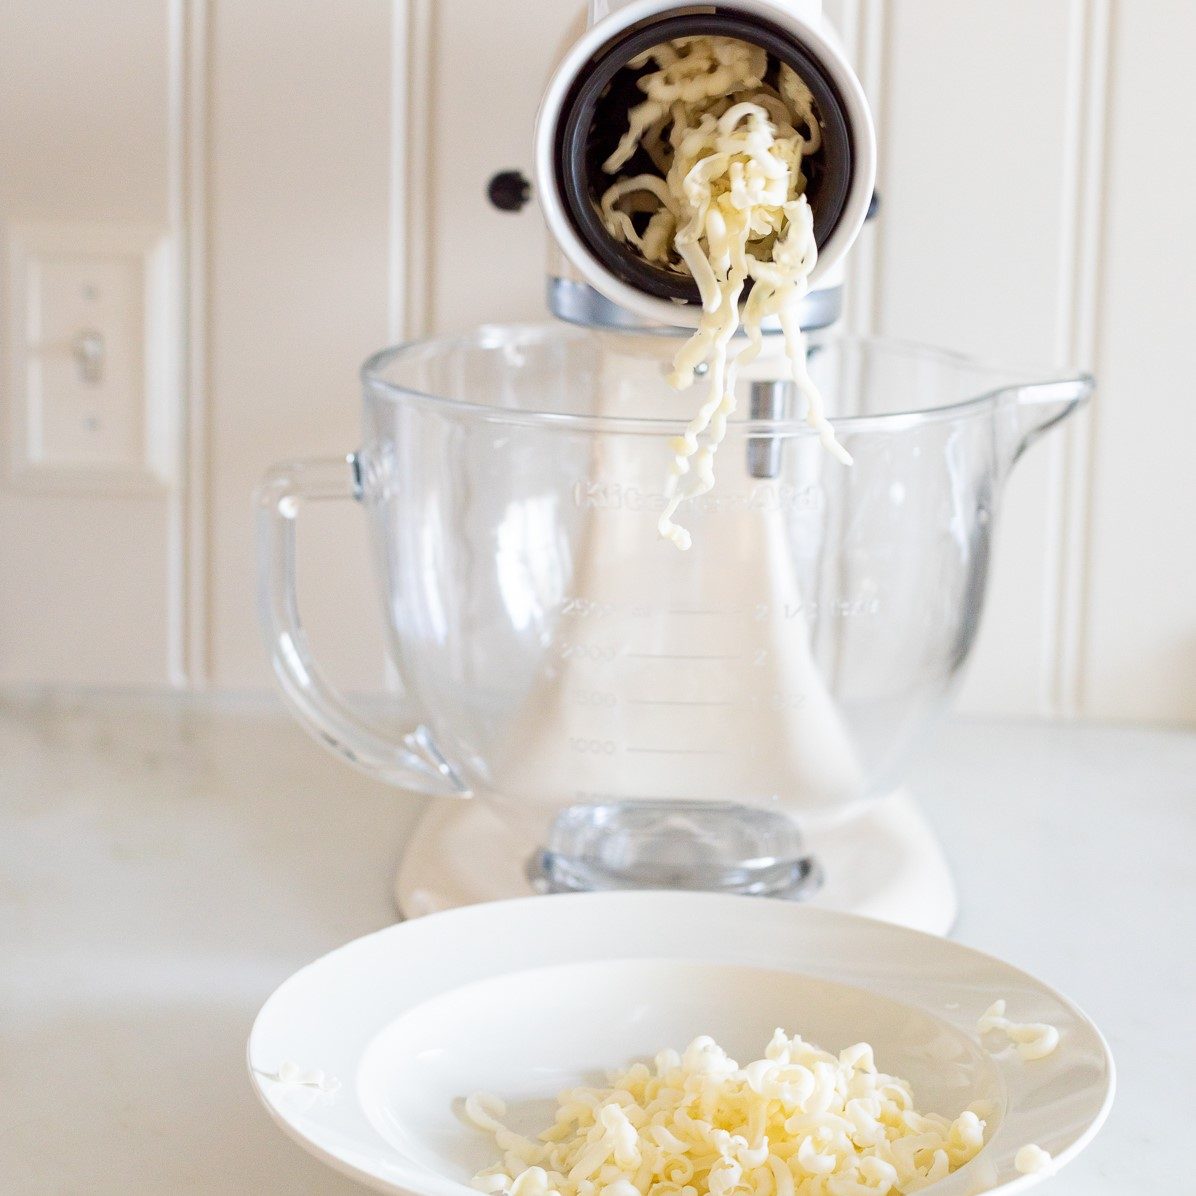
614,712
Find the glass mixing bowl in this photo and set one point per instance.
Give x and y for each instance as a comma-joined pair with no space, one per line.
653,716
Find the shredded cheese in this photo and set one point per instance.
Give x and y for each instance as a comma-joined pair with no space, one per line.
1034,1040
726,204
798,1122
1032,1160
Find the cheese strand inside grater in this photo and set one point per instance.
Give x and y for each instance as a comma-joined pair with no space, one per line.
726,207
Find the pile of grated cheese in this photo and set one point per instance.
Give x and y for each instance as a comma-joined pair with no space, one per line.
799,1122
725,204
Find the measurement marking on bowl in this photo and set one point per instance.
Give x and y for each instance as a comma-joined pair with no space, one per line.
590,797
657,751
670,702
675,656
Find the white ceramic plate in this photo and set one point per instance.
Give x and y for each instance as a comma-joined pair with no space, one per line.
525,998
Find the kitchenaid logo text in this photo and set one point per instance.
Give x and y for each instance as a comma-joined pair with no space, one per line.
768,496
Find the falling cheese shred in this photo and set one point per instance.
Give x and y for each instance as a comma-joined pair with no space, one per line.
724,202
1033,1040
798,1122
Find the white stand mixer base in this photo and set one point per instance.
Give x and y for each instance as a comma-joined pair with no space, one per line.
884,864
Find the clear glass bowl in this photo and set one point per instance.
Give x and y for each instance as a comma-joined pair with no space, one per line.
617,698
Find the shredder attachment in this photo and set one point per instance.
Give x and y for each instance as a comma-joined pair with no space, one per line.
595,115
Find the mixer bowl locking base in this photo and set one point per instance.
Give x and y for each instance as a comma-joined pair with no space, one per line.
884,863
713,846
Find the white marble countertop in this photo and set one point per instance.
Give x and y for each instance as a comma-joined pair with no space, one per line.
164,864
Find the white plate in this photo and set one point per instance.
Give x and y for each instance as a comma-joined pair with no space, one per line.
525,998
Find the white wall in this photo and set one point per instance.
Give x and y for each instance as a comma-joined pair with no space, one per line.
1034,207
84,579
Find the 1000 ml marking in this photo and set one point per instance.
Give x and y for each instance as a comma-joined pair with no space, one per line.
592,747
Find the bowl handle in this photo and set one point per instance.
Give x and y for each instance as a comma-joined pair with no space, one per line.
413,761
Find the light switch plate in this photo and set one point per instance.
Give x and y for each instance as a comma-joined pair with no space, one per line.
89,344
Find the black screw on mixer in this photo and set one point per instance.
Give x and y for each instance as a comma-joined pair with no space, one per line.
509,190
